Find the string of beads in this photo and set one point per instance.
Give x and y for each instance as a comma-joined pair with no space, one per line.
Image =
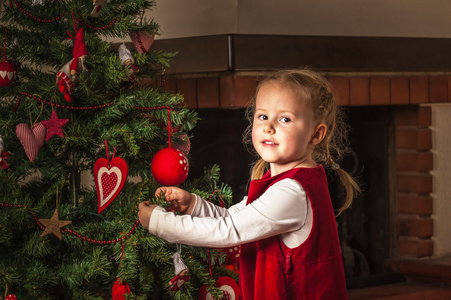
75,233
16,106
54,19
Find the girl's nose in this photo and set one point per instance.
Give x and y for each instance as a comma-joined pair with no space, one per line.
268,128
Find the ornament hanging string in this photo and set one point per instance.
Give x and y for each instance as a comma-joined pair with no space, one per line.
122,255
75,28
107,154
169,127
209,263
4,48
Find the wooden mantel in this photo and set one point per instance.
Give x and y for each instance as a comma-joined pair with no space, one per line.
249,53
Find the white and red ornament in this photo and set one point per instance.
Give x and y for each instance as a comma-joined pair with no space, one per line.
120,290
110,177
54,126
32,139
65,78
11,297
98,4
227,285
4,155
170,166
181,272
127,62
142,40
37,2
8,72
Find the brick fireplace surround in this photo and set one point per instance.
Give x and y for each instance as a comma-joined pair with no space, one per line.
408,73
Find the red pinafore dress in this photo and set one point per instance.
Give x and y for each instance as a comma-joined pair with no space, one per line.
311,271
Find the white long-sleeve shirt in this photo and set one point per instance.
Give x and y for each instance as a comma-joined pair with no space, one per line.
282,210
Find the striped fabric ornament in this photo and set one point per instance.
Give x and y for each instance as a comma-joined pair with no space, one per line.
32,140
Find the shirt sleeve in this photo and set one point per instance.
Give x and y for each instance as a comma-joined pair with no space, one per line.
281,209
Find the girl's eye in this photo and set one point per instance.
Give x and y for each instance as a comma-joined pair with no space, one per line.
262,117
285,120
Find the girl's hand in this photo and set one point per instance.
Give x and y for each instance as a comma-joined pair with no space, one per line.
180,200
145,212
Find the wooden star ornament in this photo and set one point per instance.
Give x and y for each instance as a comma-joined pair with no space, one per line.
54,126
53,225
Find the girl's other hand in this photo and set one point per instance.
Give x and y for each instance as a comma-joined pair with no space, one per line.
180,200
145,212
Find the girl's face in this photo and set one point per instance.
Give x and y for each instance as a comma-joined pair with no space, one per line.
284,133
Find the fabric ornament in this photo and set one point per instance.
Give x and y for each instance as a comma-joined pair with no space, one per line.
227,285
232,255
170,166
54,126
110,177
120,289
142,40
32,139
8,72
65,78
127,62
3,155
98,4
65,82
181,272
53,225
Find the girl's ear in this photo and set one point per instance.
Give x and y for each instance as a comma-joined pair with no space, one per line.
320,133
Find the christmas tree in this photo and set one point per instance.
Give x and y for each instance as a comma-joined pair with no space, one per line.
81,122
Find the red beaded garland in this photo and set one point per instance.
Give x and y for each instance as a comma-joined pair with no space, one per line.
76,234
81,107
99,28
33,16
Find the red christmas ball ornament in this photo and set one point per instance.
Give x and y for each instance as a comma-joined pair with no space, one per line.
170,166
8,73
120,289
11,297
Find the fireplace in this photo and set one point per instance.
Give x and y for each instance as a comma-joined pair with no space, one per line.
388,86
365,229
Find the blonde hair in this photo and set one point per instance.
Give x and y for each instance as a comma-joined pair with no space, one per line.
325,111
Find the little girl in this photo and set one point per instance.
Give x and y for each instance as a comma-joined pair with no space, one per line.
286,225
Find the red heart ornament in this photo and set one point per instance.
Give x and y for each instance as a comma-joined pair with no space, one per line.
109,178
225,284
32,140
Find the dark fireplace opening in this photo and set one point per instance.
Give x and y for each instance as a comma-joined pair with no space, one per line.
366,228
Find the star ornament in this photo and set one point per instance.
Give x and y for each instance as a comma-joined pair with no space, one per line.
53,225
54,126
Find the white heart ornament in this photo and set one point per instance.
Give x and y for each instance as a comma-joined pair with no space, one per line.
109,178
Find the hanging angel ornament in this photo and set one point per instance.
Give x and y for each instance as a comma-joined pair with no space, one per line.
127,62
3,155
38,2
67,75
98,4
181,272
